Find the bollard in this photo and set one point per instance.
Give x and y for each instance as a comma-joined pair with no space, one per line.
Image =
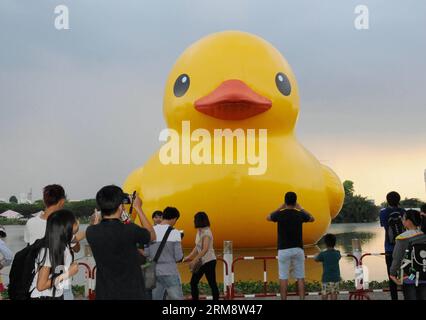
357,252
365,278
227,278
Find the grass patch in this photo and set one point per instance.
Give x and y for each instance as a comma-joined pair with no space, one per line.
78,291
4,295
253,287
249,287
12,222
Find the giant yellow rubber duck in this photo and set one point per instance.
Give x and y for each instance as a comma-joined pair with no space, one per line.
237,81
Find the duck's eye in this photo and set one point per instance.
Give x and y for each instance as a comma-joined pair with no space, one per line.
181,85
283,84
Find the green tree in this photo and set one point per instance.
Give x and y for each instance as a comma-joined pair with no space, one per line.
39,202
13,199
411,203
82,209
356,208
348,185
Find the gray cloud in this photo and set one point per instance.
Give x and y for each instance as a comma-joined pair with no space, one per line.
84,107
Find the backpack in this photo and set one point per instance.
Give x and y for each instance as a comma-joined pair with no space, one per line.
414,262
423,225
395,226
23,271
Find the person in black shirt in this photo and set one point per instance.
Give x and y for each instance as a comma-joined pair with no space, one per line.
115,248
289,218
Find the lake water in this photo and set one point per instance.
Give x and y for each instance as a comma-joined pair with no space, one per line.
371,236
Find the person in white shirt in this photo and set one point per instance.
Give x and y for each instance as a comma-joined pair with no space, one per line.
55,262
167,274
54,199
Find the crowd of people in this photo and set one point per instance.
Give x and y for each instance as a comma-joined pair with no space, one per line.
404,231
120,250
405,249
124,251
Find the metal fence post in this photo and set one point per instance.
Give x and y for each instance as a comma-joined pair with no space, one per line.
88,284
357,253
227,277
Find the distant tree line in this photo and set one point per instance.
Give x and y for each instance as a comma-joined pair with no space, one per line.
357,208
81,209
409,203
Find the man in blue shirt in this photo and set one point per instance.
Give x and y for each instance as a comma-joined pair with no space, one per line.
393,198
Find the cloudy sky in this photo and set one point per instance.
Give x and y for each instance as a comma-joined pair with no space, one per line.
83,107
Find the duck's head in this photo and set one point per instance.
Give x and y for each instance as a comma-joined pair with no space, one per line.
232,79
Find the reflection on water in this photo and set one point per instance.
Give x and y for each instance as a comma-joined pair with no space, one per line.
344,240
370,234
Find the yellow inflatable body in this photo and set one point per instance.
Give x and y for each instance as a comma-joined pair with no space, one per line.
235,80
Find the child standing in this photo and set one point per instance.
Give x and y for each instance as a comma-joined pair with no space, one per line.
331,270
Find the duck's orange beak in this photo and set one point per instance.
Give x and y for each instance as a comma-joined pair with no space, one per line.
233,100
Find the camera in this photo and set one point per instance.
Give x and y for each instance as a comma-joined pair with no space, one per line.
127,198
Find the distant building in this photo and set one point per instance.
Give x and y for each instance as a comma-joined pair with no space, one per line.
26,198
10,214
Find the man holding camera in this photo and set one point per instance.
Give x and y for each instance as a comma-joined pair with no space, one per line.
290,218
114,245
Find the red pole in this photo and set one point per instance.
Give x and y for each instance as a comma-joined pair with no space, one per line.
89,277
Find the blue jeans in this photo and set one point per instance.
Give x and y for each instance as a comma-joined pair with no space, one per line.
170,284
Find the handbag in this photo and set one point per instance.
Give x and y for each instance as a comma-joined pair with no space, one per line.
197,265
149,267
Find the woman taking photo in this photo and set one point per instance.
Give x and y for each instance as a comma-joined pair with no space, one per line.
412,236
55,262
202,258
